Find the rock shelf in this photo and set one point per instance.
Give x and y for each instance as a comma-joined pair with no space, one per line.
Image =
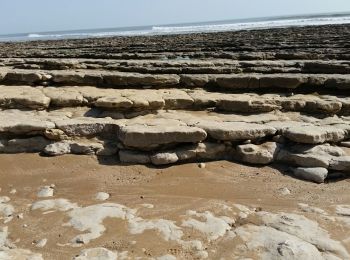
272,97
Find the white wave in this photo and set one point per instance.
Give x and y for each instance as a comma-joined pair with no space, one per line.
34,35
251,25
160,30
92,34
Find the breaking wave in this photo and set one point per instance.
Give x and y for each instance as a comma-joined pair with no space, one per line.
251,25
194,28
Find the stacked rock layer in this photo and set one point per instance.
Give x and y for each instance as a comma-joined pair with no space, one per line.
258,97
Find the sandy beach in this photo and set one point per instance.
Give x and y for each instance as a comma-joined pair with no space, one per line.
163,195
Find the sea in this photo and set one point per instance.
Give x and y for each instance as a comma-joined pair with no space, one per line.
201,27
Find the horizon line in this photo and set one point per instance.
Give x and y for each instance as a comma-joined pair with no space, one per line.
135,27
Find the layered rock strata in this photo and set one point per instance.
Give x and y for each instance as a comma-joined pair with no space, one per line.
206,99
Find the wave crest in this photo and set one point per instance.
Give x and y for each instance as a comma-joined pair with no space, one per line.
196,28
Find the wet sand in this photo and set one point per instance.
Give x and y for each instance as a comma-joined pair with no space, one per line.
171,190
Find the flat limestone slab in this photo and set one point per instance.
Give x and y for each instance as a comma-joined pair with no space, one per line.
314,134
234,131
23,96
145,136
17,122
266,81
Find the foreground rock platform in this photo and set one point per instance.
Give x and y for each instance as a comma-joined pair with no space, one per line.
75,207
263,97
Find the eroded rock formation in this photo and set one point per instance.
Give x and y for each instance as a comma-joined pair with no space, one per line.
260,97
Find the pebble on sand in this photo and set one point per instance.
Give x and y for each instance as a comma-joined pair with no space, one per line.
102,196
284,191
46,191
201,165
41,243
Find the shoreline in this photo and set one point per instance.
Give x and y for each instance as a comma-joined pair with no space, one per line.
147,31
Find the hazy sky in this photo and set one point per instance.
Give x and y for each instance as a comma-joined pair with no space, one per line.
50,15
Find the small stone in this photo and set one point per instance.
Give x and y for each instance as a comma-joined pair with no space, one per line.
102,196
284,191
257,154
164,158
46,191
148,206
20,216
58,148
41,243
98,253
201,165
25,225
4,199
13,191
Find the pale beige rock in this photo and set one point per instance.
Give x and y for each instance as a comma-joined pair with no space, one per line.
85,147
176,99
136,79
234,131
317,174
257,154
23,76
55,134
341,163
199,151
284,125
202,98
58,148
290,236
246,104
26,145
99,253
114,102
68,77
193,80
314,134
145,98
17,122
145,136
237,81
64,96
23,97
164,158
309,155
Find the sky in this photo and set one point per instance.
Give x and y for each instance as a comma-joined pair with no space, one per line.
24,16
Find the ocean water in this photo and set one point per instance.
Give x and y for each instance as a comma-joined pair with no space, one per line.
217,26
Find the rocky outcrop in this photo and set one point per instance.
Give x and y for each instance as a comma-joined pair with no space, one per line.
164,100
172,136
